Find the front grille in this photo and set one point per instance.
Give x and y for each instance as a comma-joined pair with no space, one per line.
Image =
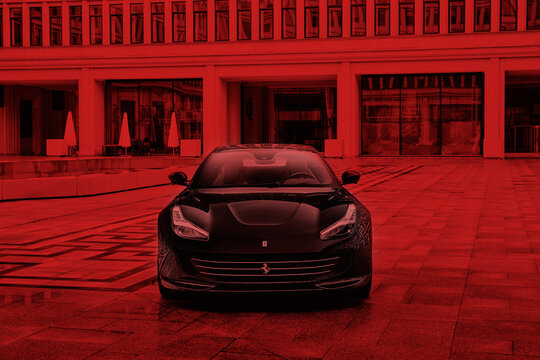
246,270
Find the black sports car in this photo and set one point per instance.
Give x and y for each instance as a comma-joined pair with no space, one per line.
261,218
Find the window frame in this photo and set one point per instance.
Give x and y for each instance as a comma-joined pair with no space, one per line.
450,16
501,17
71,27
242,11
328,13
404,3
205,13
119,17
283,10
226,15
12,22
362,6
136,15
306,10
476,7
154,20
438,16
91,28
180,14
33,25
381,5
536,25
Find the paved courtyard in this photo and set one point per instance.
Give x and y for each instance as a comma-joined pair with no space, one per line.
456,276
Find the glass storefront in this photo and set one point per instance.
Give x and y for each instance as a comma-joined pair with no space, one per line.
522,123
422,114
149,105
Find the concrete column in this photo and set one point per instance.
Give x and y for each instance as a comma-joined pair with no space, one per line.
168,21
6,28
233,20
189,21
494,88
346,18
85,23
394,18
234,107
215,131
348,110
323,19
25,24
443,16
45,25
255,19
87,134
65,24
277,19
211,8
147,22
469,16
522,15
495,15
301,19
126,22
106,23
419,17
370,18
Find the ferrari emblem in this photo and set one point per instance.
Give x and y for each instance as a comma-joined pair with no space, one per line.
265,269
264,243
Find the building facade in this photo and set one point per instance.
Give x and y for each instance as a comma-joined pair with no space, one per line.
350,77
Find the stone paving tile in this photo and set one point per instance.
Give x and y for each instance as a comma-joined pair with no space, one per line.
456,276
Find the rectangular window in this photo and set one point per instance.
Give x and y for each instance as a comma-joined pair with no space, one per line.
335,18
200,20
1,33
158,22
222,20
137,27
266,19
311,9
358,17
533,14
179,21
55,16
457,16
508,15
406,17
117,24
96,24
288,19
75,25
431,17
244,19
382,17
15,16
482,15
36,29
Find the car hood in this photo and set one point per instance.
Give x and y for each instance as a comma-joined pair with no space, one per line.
243,218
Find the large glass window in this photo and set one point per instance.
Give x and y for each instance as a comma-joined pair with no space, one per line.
288,19
311,9
36,28
244,19
358,17
200,20
117,26
406,17
431,17
266,19
522,116
382,17
96,24
149,105
457,16
482,15
508,15
1,29
137,23
75,25
158,22
15,17
533,14
335,18
179,21
55,16
422,114
222,20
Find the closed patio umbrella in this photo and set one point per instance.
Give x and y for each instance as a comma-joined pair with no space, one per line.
125,139
70,138
173,134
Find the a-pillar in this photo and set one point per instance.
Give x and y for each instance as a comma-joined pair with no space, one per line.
494,110
215,131
348,124
91,109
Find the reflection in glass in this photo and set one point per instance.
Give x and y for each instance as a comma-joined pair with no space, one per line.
222,20
244,19
382,17
149,105
179,21
55,16
457,16
75,25
311,9
117,34
15,15
266,19
358,17
158,22
334,18
288,19
522,120
508,15
96,24
533,14
35,27
137,19
200,19
431,17
482,15
406,17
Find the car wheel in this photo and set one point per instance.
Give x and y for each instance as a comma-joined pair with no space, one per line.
165,293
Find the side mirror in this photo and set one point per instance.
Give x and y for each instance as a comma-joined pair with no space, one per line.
178,178
350,177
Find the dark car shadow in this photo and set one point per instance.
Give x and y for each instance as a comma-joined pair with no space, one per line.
266,302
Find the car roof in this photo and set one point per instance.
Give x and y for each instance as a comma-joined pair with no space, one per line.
248,147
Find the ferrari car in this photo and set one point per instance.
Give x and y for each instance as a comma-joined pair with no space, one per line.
264,218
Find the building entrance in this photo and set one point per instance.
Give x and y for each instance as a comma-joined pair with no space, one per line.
289,115
522,120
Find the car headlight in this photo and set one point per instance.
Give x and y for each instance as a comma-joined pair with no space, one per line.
343,227
185,229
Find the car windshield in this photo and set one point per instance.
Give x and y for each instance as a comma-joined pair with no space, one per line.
263,167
